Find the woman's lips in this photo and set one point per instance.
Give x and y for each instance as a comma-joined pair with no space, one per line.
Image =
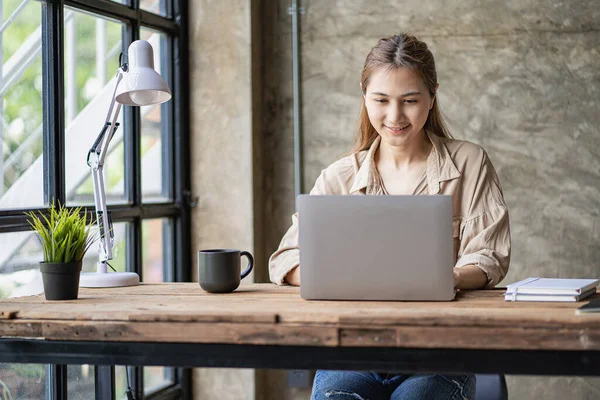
396,130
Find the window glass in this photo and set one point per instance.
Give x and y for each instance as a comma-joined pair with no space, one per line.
153,267
80,382
121,382
19,264
154,6
23,381
157,378
92,49
119,250
154,169
21,112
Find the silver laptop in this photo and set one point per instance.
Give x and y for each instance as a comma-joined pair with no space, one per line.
376,247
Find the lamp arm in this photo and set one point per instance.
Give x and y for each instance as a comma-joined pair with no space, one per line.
102,217
103,140
98,151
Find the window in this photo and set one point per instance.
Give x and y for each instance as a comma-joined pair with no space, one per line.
21,122
59,60
91,58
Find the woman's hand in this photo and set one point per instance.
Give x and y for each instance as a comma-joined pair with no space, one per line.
469,277
293,277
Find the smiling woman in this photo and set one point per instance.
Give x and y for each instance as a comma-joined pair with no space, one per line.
403,148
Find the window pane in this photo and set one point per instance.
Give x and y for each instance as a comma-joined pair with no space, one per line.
155,174
121,382
23,381
19,264
80,382
119,250
21,137
157,378
92,49
154,270
154,6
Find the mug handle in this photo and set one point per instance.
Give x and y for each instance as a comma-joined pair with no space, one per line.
250,264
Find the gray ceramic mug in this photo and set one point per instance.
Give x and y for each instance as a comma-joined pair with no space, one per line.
219,269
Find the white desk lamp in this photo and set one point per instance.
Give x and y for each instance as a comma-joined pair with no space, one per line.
138,84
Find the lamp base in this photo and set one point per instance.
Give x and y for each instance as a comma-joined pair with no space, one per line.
108,279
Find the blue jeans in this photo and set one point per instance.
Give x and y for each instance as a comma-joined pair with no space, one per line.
351,385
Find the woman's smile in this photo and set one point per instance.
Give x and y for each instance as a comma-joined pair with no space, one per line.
397,130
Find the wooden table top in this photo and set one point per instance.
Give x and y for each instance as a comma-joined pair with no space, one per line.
270,315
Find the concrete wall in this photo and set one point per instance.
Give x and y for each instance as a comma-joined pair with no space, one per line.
221,153
521,78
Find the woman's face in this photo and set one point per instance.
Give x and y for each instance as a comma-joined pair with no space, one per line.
398,103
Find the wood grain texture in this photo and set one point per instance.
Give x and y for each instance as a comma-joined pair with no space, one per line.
267,314
191,332
24,329
8,314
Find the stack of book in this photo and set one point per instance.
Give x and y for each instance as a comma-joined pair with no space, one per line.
550,289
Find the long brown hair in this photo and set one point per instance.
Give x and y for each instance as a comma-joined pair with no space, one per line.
395,52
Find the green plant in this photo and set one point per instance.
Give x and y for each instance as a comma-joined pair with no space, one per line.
64,234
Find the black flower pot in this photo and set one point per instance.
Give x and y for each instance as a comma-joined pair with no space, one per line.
61,280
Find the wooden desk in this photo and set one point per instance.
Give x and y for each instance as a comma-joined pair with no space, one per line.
265,326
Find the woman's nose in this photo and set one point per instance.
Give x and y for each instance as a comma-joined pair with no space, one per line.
396,113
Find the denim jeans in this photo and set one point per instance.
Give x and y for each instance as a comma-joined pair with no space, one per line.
351,385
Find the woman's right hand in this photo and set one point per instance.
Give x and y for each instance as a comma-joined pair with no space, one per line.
293,277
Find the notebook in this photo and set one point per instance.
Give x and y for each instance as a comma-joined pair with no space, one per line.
549,297
550,289
395,248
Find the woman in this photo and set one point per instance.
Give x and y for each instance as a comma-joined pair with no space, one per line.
403,147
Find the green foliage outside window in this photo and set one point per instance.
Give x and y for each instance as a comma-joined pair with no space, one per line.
21,103
22,110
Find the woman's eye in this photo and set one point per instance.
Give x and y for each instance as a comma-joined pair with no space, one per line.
381,100
410,101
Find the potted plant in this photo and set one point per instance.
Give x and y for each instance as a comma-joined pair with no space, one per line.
65,238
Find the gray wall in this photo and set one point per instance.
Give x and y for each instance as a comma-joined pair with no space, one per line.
221,153
520,78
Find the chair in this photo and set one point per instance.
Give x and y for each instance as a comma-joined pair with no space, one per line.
490,387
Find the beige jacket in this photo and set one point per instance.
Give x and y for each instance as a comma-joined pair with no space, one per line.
454,167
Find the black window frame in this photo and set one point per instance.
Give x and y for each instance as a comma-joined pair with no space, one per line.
176,211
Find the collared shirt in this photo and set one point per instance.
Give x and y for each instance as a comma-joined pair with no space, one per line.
454,167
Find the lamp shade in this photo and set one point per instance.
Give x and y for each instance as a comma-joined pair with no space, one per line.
141,84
